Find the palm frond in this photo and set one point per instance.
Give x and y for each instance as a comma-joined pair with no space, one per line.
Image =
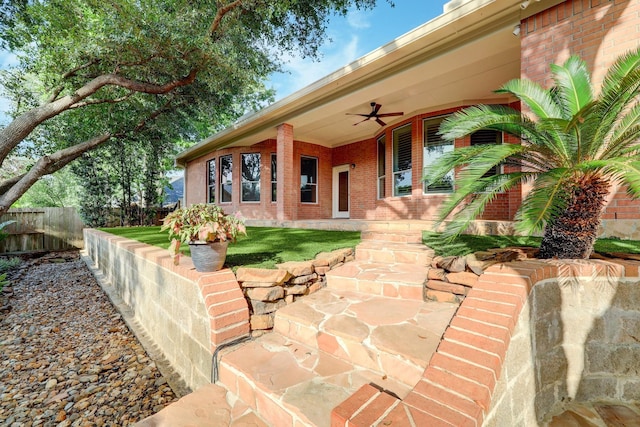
624,134
619,71
448,162
574,85
472,119
544,202
538,100
493,186
625,171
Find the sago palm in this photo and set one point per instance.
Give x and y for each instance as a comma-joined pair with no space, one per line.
575,147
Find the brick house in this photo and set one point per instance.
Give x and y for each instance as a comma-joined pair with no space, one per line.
302,157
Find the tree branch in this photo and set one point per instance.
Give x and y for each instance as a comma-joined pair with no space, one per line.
79,67
101,101
24,124
46,165
222,11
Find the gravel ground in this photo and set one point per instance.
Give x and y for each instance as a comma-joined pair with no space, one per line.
66,356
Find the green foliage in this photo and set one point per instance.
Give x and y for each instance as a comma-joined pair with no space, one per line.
468,243
3,225
262,247
7,264
201,222
570,138
175,71
56,190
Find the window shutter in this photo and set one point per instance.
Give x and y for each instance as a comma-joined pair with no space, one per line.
402,148
487,136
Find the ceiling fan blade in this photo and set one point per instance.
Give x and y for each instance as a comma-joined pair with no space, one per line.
380,122
390,114
376,108
357,123
356,114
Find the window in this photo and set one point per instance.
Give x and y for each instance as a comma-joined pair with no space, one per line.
487,136
274,177
211,183
402,161
226,166
434,148
308,180
382,143
250,177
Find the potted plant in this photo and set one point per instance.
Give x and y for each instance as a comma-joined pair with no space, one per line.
207,230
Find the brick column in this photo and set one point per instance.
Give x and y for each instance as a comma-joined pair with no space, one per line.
287,178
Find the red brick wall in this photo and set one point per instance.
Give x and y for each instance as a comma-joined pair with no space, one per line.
597,30
196,187
363,180
322,209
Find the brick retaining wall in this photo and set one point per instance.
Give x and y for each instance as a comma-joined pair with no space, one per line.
529,338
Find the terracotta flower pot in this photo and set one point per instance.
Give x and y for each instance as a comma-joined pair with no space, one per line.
208,256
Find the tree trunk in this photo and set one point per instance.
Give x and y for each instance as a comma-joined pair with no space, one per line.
46,165
572,234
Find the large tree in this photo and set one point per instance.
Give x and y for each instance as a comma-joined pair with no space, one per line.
576,146
116,68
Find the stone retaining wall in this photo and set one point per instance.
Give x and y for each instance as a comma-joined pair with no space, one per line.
186,314
269,290
576,340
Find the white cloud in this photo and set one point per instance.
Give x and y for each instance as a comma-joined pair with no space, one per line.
302,72
359,19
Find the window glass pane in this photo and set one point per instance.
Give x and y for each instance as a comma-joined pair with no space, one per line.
402,183
211,185
402,161
434,148
381,166
402,149
250,177
308,179
251,167
274,178
487,136
226,167
250,191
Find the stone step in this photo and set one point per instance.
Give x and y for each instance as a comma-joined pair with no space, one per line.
394,252
399,236
392,337
205,407
398,280
291,384
325,347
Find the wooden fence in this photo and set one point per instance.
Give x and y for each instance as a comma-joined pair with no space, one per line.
42,229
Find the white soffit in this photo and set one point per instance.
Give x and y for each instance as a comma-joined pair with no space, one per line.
461,55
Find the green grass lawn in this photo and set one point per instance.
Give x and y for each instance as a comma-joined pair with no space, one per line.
262,247
467,243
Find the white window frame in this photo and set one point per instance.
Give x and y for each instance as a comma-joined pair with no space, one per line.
393,154
211,188
306,180
224,181
429,160
274,177
244,181
382,179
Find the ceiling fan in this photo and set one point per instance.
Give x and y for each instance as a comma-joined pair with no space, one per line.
374,115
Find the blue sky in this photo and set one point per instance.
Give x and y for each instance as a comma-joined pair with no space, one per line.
351,37
354,36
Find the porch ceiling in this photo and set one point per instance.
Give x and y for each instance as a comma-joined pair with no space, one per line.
466,75
457,59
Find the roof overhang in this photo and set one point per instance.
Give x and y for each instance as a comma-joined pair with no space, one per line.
458,58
